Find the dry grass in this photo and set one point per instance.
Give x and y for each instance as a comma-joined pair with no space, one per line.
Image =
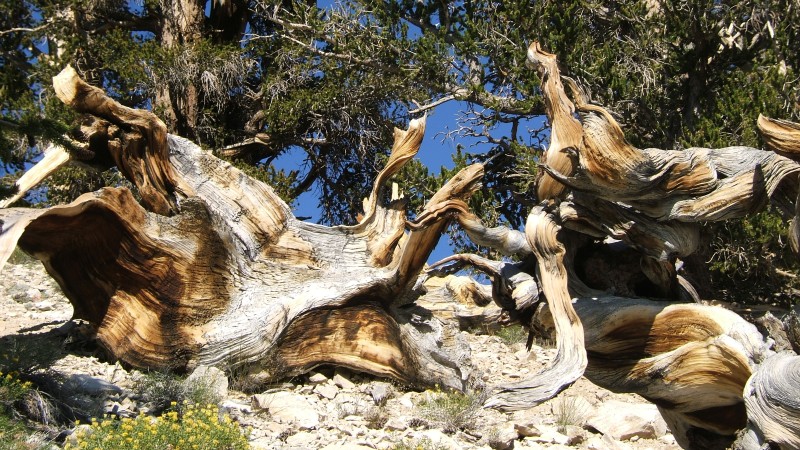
452,411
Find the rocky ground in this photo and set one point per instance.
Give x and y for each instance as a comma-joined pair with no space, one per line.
327,409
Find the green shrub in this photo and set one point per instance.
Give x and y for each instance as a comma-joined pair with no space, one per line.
376,417
568,410
419,444
452,411
13,433
751,262
18,257
12,389
197,428
513,334
163,389
160,389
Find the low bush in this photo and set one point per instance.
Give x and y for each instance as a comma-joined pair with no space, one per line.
163,389
196,429
452,411
513,334
14,435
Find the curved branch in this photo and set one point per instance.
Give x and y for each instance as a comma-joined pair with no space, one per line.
434,219
781,136
773,404
513,289
542,233
566,132
140,154
55,156
503,239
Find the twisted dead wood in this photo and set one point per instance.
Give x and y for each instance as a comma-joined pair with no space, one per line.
214,269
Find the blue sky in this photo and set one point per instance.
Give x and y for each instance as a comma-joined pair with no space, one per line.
435,152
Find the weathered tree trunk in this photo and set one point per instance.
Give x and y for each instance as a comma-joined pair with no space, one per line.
692,360
214,269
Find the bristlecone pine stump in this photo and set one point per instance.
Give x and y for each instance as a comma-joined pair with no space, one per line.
211,267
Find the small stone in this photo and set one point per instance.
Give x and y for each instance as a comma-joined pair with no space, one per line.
510,373
440,440
276,429
347,447
317,378
343,382
230,405
525,356
327,391
22,293
80,430
668,439
128,404
211,378
612,444
502,438
527,430
623,421
380,392
43,306
262,443
485,356
405,401
575,434
550,435
301,439
396,424
111,407
288,407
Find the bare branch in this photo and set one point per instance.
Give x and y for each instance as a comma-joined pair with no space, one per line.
23,29
423,108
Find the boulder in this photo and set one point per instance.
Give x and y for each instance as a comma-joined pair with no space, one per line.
380,392
85,384
317,378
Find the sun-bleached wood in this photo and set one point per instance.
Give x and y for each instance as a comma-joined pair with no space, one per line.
692,360
542,232
566,136
54,157
773,405
214,269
